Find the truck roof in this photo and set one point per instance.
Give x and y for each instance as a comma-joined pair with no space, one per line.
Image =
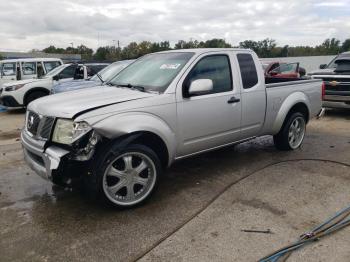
199,51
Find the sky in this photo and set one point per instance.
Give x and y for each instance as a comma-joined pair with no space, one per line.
36,24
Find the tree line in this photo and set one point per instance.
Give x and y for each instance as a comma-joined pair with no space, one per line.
264,48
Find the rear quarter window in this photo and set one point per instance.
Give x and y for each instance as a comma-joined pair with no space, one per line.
248,70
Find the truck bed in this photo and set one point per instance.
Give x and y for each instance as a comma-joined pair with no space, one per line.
280,95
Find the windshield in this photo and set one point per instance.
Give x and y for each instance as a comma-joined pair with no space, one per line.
54,71
343,66
154,72
332,64
111,71
286,68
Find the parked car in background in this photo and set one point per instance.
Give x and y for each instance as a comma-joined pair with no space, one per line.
12,70
117,139
21,93
276,72
337,84
103,76
326,69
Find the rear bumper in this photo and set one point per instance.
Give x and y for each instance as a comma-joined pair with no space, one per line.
43,161
9,101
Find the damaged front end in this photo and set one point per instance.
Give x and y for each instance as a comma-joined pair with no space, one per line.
84,148
65,154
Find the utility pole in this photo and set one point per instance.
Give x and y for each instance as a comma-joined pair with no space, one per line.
98,40
72,44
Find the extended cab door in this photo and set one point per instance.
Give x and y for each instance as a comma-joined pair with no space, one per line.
253,94
210,119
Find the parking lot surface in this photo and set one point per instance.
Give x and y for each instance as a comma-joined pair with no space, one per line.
199,211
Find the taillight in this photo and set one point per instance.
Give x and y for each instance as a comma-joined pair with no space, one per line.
323,90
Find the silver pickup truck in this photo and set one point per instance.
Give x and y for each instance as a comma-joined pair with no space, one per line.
117,139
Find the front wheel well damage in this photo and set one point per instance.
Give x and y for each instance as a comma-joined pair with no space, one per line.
157,144
145,138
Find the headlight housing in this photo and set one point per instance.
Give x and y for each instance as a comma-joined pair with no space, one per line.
67,131
13,88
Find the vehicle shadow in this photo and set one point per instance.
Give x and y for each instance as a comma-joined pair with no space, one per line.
15,111
338,113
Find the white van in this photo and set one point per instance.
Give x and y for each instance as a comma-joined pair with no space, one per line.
26,68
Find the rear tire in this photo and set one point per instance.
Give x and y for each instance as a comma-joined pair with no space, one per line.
33,96
292,133
126,178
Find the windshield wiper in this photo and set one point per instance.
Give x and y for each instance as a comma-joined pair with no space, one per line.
99,76
140,88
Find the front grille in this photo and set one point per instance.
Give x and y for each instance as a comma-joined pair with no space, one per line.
33,121
45,130
39,126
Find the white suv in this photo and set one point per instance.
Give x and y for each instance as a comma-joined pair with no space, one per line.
21,93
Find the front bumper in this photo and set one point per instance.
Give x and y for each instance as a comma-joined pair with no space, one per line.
337,98
332,104
9,101
44,161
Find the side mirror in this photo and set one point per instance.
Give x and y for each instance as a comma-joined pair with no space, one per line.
56,77
323,66
200,87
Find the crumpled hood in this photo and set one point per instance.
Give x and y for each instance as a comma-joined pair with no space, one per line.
25,81
74,85
70,104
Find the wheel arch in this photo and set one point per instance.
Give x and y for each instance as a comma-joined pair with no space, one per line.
140,128
296,102
35,89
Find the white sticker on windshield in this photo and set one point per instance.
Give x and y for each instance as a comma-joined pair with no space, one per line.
170,66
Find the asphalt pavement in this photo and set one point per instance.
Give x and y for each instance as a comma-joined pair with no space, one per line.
199,211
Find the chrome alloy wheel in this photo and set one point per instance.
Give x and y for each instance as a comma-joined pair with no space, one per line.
129,178
296,132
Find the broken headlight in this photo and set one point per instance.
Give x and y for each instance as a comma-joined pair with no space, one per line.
67,131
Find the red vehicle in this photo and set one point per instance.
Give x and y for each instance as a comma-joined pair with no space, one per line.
281,72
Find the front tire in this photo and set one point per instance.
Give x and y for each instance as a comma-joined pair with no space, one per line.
292,133
126,178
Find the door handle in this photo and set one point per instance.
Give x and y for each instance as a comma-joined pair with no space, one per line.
233,100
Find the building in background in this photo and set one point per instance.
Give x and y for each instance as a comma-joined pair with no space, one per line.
66,58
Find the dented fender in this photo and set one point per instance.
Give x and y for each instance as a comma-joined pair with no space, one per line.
121,124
